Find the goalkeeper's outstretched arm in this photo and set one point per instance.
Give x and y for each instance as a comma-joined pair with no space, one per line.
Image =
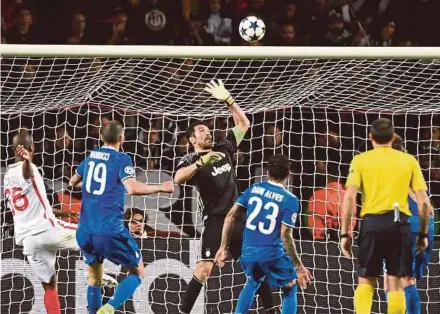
218,90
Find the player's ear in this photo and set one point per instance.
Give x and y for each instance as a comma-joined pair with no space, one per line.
121,139
370,137
192,140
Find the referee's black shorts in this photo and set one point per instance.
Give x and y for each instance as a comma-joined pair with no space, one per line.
383,240
212,237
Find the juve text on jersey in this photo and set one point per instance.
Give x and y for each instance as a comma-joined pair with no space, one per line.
217,183
268,205
103,192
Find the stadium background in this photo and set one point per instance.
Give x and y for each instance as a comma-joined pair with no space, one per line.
319,140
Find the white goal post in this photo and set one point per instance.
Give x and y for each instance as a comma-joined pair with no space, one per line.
314,104
231,52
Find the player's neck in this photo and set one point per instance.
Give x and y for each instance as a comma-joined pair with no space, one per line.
201,150
377,145
382,145
112,146
278,182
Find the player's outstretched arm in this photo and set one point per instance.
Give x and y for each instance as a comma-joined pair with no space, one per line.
304,275
185,174
234,213
218,90
28,172
134,187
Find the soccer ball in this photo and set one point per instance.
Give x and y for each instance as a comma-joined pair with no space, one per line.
252,28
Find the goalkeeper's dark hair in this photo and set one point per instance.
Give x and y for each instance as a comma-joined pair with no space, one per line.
111,132
191,129
22,138
382,131
398,143
279,167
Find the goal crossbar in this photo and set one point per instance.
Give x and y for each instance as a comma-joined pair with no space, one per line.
245,52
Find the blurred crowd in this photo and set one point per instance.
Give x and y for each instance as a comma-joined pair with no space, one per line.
215,22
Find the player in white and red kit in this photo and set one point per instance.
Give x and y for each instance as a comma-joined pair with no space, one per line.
36,227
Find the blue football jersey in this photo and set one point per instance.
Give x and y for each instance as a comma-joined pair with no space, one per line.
268,205
103,192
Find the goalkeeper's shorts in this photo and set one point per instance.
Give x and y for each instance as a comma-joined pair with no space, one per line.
212,237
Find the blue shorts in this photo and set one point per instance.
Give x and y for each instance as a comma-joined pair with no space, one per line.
119,248
279,271
421,260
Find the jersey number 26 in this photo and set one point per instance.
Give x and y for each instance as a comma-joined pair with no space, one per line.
97,172
272,217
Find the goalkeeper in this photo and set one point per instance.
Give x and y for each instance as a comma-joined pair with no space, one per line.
385,233
210,169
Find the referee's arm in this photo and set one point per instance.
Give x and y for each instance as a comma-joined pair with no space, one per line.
348,203
353,183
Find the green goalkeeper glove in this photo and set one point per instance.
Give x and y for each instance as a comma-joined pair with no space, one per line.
209,159
218,91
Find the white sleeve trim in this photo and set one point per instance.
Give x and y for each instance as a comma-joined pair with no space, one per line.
289,225
127,177
239,204
76,172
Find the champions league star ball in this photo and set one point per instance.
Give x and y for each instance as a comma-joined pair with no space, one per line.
252,28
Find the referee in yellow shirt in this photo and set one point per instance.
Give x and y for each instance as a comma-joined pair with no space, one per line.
384,175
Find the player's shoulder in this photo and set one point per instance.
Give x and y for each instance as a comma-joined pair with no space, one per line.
290,195
227,143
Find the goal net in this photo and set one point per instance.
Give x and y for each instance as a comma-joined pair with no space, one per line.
314,106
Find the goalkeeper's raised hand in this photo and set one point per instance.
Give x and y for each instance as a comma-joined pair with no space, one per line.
218,91
209,159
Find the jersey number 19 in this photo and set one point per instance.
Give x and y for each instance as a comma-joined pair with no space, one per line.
272,217
97,172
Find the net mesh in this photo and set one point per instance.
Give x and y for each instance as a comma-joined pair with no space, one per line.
315,111
175,86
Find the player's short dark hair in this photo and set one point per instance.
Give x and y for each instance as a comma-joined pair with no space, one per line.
112,132
279,167
382,131
191,129
398,143
22,138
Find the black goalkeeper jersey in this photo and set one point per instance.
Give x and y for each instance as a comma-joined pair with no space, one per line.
217,184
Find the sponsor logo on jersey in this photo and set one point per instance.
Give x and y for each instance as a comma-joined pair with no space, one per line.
220,170
129,170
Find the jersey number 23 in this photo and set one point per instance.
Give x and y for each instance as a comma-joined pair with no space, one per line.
272,209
